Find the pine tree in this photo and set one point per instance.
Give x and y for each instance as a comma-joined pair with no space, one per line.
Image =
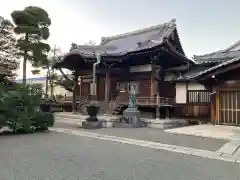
66,80
32,25
9,57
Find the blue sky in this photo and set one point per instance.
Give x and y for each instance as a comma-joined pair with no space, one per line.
203,25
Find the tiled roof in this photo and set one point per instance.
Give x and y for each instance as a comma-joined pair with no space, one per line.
217,66
131,42
219,56
194,73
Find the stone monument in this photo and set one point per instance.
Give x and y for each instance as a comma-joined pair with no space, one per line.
132,113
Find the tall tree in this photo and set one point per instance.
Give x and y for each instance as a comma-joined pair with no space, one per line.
52,76
9,57
32,25
66,80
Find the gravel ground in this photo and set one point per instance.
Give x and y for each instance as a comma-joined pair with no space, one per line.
58,156
157,135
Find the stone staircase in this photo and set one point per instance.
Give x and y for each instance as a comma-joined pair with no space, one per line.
78,119
70,118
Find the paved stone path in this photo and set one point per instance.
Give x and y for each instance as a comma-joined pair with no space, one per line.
231,147
60,156
156,135
150,144
230,133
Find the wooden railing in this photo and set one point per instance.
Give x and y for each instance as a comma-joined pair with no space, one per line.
198,96
139,101
114,103
151,102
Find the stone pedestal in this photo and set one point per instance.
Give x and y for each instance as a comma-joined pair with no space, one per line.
92,119
133,115
92,124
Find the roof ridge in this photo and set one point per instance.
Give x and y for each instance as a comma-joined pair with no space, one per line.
138,31
232,46
219,51
207,54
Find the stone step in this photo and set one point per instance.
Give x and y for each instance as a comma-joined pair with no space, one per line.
105,121
127,125
69,121
70,116
81,116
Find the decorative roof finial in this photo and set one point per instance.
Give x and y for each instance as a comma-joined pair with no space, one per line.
173,20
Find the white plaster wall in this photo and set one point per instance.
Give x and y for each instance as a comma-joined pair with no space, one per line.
195,86
181,90
141,68
181,95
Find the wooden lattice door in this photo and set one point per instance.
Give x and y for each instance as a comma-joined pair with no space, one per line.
229,107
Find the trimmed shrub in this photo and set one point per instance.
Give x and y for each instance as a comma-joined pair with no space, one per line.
20,108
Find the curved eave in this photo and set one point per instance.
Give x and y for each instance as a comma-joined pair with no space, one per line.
178,54
71,60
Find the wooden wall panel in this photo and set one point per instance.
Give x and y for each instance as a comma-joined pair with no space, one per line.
144,88
192,111
167,89
85,89
101,89
113,89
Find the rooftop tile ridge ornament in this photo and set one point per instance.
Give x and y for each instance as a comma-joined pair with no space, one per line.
170,28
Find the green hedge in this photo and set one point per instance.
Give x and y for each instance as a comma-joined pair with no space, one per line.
20,109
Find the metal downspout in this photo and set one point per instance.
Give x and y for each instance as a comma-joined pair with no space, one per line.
98,56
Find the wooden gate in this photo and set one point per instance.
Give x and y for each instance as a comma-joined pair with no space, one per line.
229,107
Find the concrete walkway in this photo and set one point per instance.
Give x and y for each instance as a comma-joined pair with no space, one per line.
229,133
154,145
207,139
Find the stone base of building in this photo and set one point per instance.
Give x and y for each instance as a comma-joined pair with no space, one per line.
164,123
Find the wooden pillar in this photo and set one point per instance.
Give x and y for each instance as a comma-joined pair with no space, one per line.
74,100
153,88
107,85
80,86
213,107
158,78
217,108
